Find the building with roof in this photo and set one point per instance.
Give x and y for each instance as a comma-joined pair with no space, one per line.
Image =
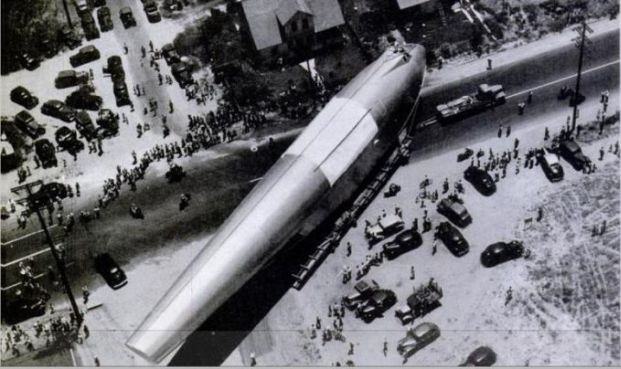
292,28
422,6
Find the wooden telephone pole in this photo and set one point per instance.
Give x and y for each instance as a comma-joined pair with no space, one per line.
60,263
580,43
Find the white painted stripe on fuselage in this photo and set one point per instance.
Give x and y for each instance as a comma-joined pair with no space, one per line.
336,137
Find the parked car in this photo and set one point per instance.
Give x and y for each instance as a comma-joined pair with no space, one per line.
150,9
482,356
105,19
380,301
28,61
405,241
181,73
88,25
363,290
85,55
47,46
98,3
170,54
452,239
454,211
48,193
417,338
81,6
108,123
17,310
68,140
81,99
46,152
84,125
110,271
572,153
115,68
70,78
27,124
69,38
551,166
20,95
58,109
121,94
500,252
127,17
481,180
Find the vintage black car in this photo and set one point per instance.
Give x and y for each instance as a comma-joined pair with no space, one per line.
572,153
452,239
380,301
127,17
58,109
27,124
110,271
108,123
48,193
551,166
47,46
85,55
405,241
28,61
150,9
88,25
500,252
20,95
170,54
482,356
105,19
46,152
175,173
68,140
455,212
17,310
69,38
82,99
115,69
181,73
481,180
363,290
121,94
85,126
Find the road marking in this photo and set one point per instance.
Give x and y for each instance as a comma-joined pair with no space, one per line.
26,236
564,79
255,180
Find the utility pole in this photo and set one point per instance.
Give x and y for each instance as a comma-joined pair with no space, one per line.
67,13
60,264
580,42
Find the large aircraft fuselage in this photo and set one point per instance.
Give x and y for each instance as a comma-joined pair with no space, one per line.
315,175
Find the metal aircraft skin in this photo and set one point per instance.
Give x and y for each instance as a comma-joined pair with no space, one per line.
316,174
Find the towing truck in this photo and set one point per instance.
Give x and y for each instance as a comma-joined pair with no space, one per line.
424,299
487,96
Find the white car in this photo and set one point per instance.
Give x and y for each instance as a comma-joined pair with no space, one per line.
417,338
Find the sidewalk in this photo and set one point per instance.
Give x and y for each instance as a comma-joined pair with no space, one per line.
460,68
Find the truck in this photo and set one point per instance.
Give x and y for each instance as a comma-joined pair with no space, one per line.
487,96
424,299
108,123
385,227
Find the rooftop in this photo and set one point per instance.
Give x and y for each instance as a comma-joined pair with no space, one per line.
263,17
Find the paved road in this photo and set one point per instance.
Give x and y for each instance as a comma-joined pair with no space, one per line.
221,184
